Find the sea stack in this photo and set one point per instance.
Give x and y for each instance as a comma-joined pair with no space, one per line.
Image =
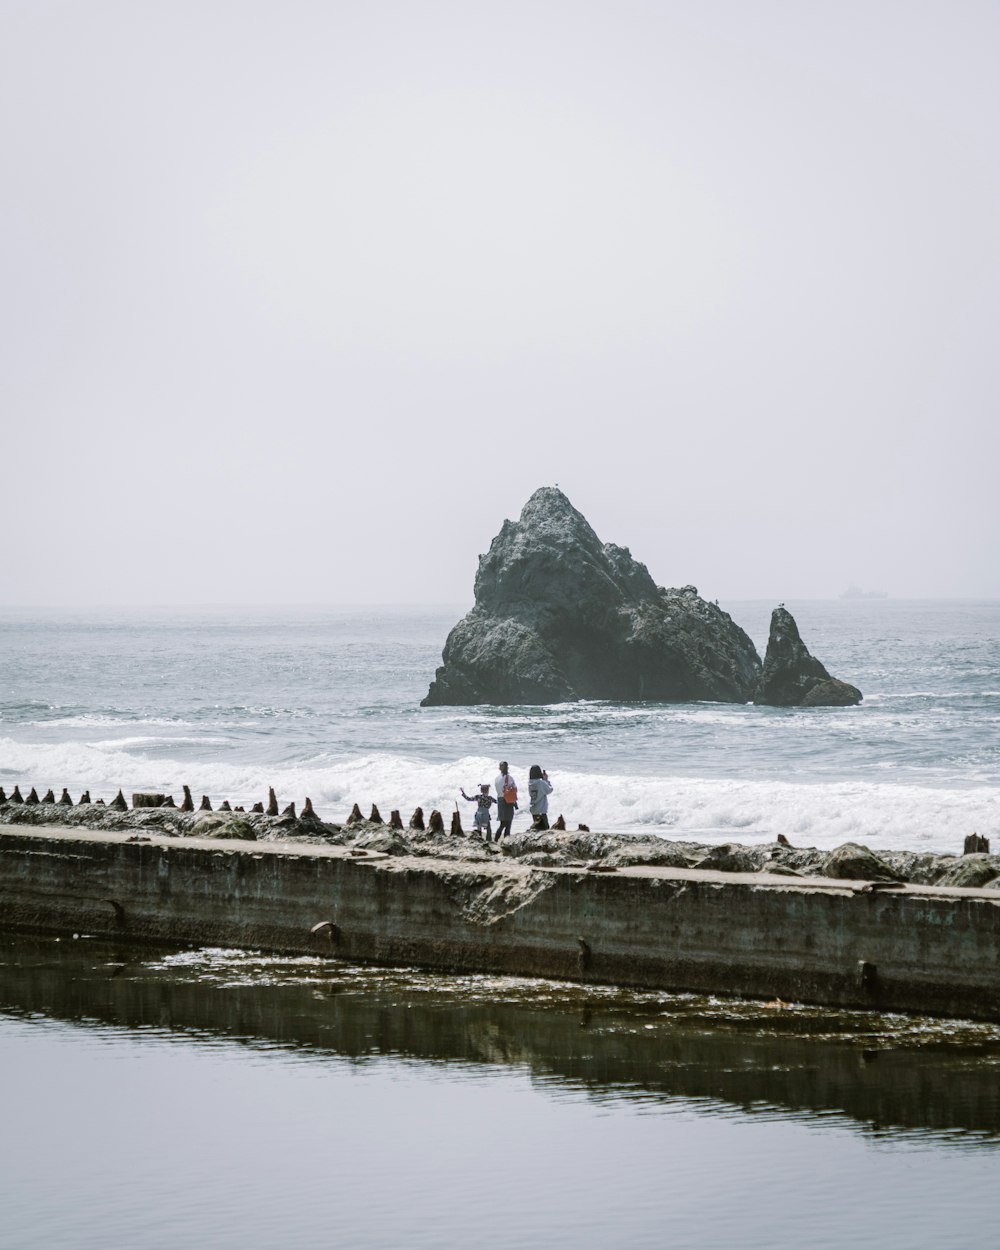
559,615
791,677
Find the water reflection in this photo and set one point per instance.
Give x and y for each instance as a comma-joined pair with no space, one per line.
890,1076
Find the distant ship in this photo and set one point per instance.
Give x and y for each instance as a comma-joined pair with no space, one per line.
855,592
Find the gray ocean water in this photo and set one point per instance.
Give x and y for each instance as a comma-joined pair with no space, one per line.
233,1099
325,703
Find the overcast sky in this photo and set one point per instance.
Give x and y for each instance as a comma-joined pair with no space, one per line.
298,301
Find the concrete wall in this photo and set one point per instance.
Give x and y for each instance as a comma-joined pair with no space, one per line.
924,949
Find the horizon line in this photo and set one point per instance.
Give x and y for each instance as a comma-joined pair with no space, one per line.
453,604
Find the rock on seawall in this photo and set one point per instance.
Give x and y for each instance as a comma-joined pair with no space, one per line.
791,677
560,615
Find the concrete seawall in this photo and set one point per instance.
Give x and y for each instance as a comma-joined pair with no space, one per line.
923,949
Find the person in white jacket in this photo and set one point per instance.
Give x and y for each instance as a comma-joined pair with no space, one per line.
539,789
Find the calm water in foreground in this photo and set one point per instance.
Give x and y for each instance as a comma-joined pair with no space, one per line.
223,1099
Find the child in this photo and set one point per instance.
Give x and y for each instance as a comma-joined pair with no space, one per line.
484,801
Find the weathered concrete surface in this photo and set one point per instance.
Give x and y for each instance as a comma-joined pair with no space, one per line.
916,948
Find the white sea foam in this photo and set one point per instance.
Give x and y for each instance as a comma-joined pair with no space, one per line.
822,814
93,720
150,740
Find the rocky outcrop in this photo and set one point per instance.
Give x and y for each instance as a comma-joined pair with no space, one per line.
731,857
560,615
791,677
971,872
855,862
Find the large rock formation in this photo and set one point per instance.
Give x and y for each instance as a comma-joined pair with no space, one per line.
560,615
791,677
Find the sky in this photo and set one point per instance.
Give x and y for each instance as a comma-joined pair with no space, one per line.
299,301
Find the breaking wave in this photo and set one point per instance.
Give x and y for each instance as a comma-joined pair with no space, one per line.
822,814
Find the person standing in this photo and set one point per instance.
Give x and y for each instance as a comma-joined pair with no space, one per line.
539,789
483,801
506,800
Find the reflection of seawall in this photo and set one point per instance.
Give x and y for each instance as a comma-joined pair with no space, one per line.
581,1039
917,948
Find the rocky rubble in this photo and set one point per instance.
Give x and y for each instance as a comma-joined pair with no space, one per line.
578,848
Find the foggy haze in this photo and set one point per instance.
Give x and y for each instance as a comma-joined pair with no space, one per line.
300,301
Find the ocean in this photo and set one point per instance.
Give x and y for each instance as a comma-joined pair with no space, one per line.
324,702
246,1100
